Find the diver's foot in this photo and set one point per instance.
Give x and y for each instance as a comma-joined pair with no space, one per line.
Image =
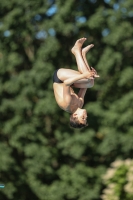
78,45
86,49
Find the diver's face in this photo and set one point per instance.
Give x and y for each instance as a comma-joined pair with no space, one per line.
82,116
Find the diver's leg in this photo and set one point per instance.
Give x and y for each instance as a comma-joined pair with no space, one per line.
84,51
76,50
64,74
80,55
82,68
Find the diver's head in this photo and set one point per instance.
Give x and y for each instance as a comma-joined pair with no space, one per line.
78,119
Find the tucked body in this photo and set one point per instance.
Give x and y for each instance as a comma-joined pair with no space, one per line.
64,81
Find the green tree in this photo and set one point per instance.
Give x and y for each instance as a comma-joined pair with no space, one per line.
41,157
119,181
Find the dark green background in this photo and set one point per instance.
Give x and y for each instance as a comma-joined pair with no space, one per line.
41,157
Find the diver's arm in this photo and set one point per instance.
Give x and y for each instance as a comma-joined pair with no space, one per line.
86,75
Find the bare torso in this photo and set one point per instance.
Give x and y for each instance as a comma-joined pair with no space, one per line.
75,103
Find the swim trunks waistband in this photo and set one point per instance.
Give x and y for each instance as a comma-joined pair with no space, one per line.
55,78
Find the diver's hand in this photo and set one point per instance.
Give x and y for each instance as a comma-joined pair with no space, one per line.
89,74
96,75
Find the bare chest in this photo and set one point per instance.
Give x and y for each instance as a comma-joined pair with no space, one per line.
75,103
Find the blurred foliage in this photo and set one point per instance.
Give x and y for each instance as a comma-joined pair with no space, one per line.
119,181
41,157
